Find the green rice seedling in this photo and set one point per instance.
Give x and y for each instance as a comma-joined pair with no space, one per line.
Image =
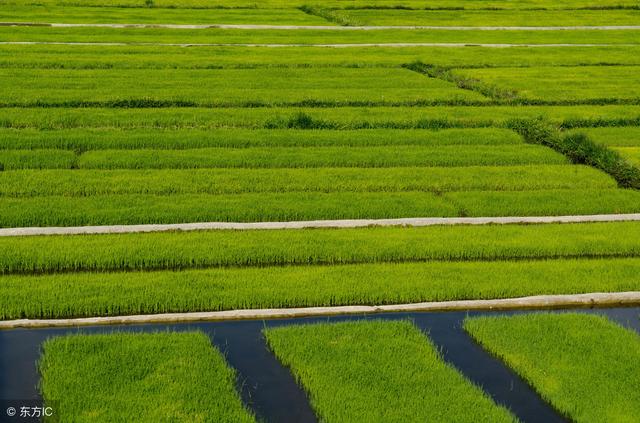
29,183
632,154
144,377
312,36
594,84
149,57
304,157
147,209
89,139
584,365
545,202
378,371
70,295
624,136
225,87
440,117
492,18
180,250
37,159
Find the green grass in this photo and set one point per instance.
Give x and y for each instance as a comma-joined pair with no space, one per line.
71,295
225,87
566,84
81,140
627,136
585,366
492,18
111,15
314,118
378,371
36,254
417,4
36,159
145,57
142,377
303,157
630,153
258,207
313,36
30,183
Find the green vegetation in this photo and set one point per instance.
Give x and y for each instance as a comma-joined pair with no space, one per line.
71,295
141,377
303,157
36,159
584,365
176,250
378,371
628,136
593,84
225,87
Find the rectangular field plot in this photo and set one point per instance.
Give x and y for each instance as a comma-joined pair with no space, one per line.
69,295
562,84
139,377
625,140
178,16
585,366
226,87
176,250
378,371
506,18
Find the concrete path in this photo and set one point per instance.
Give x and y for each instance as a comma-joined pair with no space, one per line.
342,45
533,302
330,27
352,223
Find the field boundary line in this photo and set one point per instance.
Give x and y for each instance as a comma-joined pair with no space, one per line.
340,45
309,224
597,299
327,27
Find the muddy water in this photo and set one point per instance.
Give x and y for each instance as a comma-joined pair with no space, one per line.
270,390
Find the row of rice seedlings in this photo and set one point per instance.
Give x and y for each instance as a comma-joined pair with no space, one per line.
278,207
627,136
585,366
377,371
179,250
149,57
37,159
29,183
81,140
140,377
225,87
597,84
318,37
315,118
287,157
71,295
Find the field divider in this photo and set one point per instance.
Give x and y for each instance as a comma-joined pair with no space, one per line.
341,45
311,224
327,27
596,299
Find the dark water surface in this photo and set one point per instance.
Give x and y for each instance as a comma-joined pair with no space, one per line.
270,390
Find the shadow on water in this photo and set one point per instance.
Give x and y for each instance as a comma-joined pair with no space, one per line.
270,390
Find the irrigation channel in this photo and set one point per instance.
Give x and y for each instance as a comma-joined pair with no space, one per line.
270,390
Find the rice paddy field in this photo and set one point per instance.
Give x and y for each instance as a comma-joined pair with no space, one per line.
157,112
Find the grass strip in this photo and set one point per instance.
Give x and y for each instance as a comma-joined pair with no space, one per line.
627,136
225,87
378,371
146,57
582,364
30,183
315,118
595,84
313,36
632,154
81,140
72,295
37,159
175,250
306,157
142,377
282,207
